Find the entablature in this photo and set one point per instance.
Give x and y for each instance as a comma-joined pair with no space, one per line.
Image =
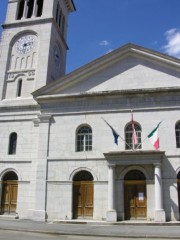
135,157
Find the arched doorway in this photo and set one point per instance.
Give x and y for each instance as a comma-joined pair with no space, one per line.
135,202
178,189
83,195
9,193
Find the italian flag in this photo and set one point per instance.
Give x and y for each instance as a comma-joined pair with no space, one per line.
154,138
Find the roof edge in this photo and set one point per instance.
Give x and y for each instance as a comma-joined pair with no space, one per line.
113,92
105,60
70,5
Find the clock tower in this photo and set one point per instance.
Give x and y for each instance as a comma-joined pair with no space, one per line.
33,48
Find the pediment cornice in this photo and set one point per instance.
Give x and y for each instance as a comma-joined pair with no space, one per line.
118,93
105,62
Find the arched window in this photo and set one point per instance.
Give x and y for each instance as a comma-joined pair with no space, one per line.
30,6
20,9
57,13
84,139
60,18
63,24
39,8
19,88
12,143
177,130
129,134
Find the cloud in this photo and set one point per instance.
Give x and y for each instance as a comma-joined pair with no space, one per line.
155,42
104,43
173,42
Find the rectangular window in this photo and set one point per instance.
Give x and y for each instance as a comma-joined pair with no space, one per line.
129,142
84,143
80,143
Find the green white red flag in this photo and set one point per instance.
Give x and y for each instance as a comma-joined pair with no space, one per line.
154,137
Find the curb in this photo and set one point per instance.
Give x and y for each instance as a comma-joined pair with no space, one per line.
88,235
118,223
45,228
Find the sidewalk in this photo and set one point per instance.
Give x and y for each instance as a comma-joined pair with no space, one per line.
140,229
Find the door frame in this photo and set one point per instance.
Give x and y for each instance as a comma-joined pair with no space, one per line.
81,184
134,183
11,178
178,192
11,202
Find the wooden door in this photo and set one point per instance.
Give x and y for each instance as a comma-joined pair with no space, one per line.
129,201
135,200
83,199
9,197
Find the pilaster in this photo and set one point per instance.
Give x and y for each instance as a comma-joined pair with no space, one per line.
35,8
111,214
25,10
39,213
159,211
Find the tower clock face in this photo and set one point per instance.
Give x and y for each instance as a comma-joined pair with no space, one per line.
25,44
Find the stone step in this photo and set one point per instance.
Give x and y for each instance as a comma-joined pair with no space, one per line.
8,216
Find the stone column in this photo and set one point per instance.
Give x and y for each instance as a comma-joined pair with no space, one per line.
25,9
111,215
35,8
39,213
159,211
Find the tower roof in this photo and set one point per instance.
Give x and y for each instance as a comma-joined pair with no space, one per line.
70,5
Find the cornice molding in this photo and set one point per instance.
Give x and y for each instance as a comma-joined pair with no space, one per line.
45,118
138,157
106,61
27,22
123,92
35,21
70,5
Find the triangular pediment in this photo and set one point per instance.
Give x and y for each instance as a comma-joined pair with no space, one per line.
129,67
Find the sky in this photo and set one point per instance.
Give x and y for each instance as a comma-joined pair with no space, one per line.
98,27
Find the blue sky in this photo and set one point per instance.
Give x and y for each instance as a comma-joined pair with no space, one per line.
100,26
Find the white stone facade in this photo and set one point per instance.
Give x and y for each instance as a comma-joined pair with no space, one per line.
46,160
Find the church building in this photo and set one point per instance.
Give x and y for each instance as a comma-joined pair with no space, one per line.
71,147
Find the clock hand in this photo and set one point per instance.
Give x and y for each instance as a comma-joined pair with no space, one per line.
27,44
24,45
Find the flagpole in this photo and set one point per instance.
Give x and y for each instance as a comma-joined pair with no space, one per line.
134,135
118,133
125,141
146,137
141,142
132,129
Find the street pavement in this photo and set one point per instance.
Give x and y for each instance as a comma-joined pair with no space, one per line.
101,229
17,235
